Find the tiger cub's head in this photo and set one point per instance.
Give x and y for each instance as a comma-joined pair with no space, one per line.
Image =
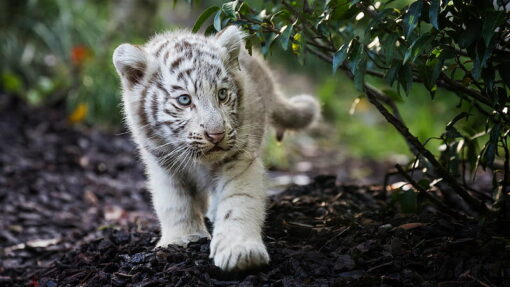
181,91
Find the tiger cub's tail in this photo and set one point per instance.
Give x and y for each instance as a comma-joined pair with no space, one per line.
295,113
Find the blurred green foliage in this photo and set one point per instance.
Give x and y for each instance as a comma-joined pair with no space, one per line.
59,51
52,47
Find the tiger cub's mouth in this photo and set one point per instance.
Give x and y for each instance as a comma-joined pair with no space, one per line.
216,149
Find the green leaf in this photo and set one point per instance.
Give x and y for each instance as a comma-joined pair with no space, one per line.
412,17
504,72
359,76
339,57
420,44
434,12
472,154
487,53
436,71
353,2
425,72
285,36
424,183
12,83
470,35
477,67
452,133
389,47
355,53
268,41
492,145
457,118
281,14
244,9
217,21
342,11
381,16
488,76
490,22
409,201
229,9
204,16
392,73
405,77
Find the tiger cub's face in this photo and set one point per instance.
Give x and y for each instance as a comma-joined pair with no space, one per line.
187,97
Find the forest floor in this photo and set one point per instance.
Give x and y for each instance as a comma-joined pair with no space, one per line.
74,212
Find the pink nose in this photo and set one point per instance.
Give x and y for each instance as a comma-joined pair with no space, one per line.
214,137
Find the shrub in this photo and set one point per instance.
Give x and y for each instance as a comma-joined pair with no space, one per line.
459,45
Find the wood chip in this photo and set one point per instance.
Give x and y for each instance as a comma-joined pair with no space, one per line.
413,225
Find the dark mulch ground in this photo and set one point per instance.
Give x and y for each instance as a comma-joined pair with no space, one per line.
74,212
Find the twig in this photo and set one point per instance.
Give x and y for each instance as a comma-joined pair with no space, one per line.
380,266
468,275
452,85
336,236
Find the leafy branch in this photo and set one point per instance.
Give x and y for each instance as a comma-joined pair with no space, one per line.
461,48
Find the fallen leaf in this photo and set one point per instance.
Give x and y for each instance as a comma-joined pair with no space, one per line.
79,113
90,197
413,225
113,213
43,242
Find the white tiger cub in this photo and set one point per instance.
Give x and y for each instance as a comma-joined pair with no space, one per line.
198,108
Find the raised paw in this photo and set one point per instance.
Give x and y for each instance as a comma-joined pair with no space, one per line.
238,255
182,240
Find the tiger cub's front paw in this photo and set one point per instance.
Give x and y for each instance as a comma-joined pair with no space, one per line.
182,240
231,254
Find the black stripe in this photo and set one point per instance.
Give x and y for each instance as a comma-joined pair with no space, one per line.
165,58
227,215
237,195
176,107
164,123
154,107
181,74
160,86
177,88
146,127
172,113
176,63
161,48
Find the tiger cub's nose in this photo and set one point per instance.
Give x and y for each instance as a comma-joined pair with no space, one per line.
215,137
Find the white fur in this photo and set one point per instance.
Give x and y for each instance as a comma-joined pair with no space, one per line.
229,185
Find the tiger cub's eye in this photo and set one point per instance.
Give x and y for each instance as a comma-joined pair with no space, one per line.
222,94
184,100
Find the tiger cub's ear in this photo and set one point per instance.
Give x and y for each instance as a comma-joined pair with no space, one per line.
130,62
232,39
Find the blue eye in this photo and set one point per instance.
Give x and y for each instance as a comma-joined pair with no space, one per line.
184,100
222,94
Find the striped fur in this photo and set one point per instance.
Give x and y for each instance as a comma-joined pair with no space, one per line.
189,173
